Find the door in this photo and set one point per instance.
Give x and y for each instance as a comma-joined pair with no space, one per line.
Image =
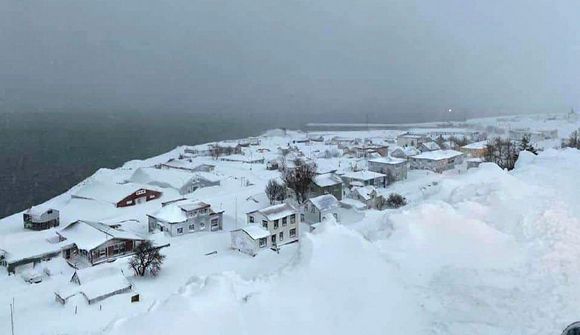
140,200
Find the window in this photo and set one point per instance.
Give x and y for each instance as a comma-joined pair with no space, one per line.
180,230
274,239
312,209
263,242
281,235
215,224
251,218
49,211
192,226
284,221
102,252
275,224
140,192
293,218
335,216
202,226
293,232
265,224
129,202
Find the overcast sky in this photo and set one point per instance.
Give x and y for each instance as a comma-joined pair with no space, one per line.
274,56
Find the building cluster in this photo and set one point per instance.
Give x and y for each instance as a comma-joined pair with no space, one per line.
354,174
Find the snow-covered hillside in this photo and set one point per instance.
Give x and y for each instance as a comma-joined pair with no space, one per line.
478,251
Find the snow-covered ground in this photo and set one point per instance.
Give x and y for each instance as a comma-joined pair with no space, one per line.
482,251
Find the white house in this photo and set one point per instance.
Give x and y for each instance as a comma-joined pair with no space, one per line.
180,180
364,178
366,195
315,209
281,221
184,217
429,146
40,218
394,168
413,140
95,284
405,152
437,161
250,239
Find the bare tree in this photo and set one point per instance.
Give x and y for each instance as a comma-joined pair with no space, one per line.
275,191
502,152
573,140
525,145
299,177
146,259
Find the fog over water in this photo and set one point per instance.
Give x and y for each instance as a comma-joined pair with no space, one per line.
87,84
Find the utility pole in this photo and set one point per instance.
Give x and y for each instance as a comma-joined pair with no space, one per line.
12,316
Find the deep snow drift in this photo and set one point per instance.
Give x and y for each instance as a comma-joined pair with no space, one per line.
491,253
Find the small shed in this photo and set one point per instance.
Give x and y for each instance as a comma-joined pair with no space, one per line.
250,239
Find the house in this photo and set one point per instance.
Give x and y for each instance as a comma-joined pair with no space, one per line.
40,218
473,162
412,140
242,159
120,195
315,209
186,165
405,152
429,146
469,134
364,178
328,183
366,195
16,253
250,239
184,217
518,134
395,169
367,150
90,243
95,284
436,161
182,181
475,150
279,221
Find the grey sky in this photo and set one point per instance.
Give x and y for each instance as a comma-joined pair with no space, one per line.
322,56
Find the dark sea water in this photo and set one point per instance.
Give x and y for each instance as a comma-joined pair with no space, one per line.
44,154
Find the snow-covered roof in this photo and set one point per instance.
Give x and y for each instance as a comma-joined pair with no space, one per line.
193,205
26,246
414,136
276,212
476,145
38,210
363,175
88,235
327,179
96,282
431,146
176,179
176,212
108,192
324,202
438,155
365,192
388,160
256,231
